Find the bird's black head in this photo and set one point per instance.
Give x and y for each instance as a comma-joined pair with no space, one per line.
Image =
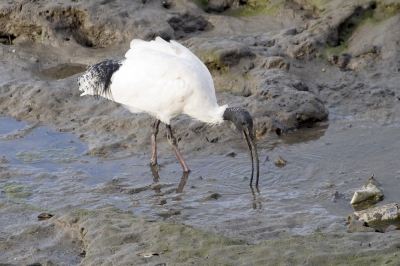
244,123
240,118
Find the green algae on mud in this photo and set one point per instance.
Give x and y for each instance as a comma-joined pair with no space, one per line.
16,192
125,230
212,59
67,155
258,7
108,232
365,14
329,5
30,156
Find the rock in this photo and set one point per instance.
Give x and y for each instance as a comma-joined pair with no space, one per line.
352,217
44,216
300,86
391,228
335,197
279,161
276,62
187,23
340,61
219,6
359,226
83,23
219,52
379,214
371,189
283,102
304,49
212,196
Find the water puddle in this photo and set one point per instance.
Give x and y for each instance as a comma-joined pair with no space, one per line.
325,164
9,125
63,71
38,146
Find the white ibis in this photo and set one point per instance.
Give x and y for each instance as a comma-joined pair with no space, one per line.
165,79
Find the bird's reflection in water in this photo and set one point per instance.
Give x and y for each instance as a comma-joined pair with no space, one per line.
255,200
156,179
184,178
255,191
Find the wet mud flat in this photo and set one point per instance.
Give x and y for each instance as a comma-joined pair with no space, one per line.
290,64
111,210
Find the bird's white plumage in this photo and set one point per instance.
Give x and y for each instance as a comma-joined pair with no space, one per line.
165,79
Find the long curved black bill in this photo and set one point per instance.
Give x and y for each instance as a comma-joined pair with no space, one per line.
248,136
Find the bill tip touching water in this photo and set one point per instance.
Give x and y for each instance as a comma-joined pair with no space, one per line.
165,79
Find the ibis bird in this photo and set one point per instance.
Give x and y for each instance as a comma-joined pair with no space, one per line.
165,79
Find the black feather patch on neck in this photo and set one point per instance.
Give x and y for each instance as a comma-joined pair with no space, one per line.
98,77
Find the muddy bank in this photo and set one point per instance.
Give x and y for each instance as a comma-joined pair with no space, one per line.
291,64
283,75
108,236
40,98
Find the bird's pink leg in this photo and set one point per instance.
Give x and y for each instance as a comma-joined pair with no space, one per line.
172,141
154,131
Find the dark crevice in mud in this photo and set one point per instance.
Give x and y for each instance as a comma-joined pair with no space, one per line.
69,22
364,15
347,28
63,22
373,13
238,8
7,39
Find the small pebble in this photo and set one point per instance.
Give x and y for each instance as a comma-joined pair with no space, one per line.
214,196
232,154
279,161
45,216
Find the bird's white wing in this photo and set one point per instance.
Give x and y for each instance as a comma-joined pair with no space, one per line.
165,80
172,48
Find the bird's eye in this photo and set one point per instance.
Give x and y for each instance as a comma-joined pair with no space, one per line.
243,123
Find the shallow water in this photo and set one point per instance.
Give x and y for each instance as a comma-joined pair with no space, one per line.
334,156
63,71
